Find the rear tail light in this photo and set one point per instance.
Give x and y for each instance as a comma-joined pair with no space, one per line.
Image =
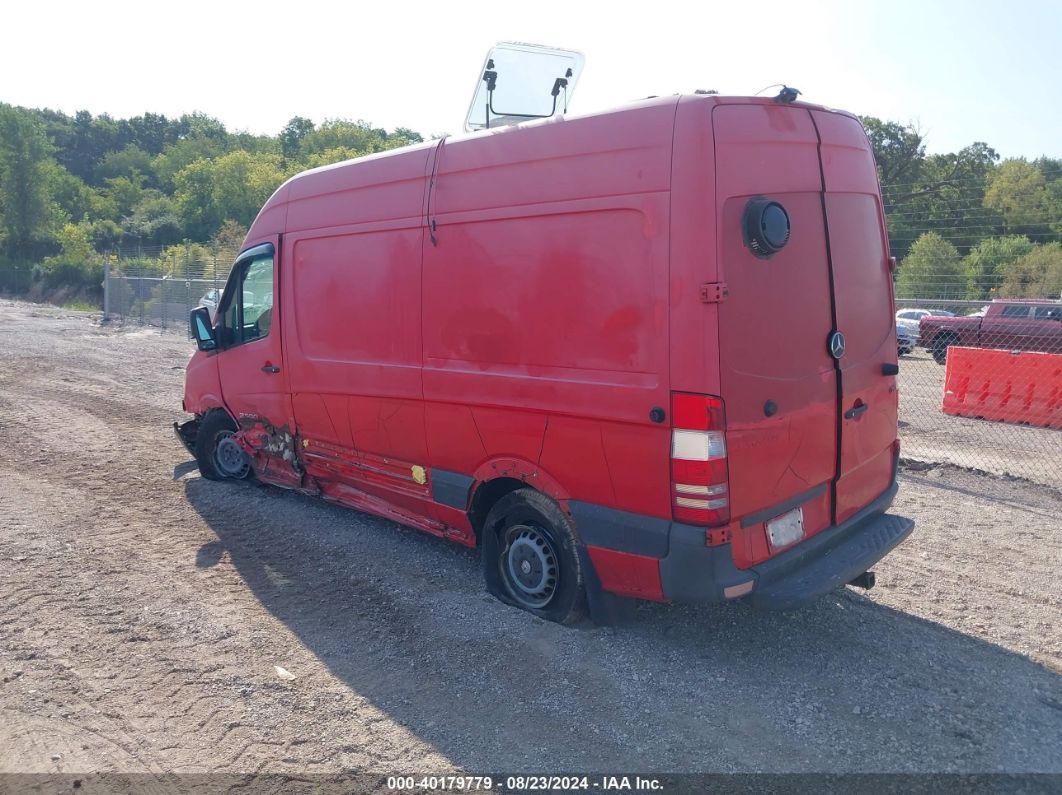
700,490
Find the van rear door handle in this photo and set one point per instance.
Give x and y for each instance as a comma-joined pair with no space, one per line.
855,411
269,368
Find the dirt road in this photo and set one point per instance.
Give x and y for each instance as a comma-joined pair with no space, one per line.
143,612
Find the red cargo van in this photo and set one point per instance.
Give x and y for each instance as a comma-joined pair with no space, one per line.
647,352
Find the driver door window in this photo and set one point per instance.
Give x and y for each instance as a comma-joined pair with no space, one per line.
247,310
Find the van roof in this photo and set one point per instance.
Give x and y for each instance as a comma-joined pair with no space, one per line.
357,172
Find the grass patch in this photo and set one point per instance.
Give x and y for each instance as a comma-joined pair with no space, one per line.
81,306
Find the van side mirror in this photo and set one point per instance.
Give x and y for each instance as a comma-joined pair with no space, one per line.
202,333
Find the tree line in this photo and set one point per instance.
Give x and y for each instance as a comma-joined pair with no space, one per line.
968,225
72,188
75,187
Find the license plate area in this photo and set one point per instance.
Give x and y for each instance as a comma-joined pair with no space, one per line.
786,530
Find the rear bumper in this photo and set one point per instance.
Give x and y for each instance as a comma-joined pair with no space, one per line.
693,572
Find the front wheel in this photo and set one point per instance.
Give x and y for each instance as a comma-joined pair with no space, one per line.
530,557
216,451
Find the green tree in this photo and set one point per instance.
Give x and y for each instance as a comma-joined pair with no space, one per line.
28,212
355,136
984,264
931,269
183,153
898,150
199,125
946,198
330,156
91,138
106,234
131,161
76,263
152,132
292,134
255,144
1018,191
233,186
228,239
407,136
125,193
155,219
1036,275
74,198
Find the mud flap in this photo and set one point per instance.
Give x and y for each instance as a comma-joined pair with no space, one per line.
606,609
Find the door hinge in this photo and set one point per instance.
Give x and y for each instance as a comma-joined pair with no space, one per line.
714,293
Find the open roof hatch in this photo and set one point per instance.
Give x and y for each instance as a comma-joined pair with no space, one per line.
523,81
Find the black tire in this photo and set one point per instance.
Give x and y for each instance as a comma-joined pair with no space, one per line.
530,557
216,426
940,348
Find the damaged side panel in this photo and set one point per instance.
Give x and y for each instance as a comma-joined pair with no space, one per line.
273,452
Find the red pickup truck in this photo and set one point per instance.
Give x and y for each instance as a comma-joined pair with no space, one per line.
1015,325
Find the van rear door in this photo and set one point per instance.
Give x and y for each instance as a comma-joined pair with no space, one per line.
863,301
778,380
810,421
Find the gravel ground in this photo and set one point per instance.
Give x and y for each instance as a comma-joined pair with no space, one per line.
928,434
143,612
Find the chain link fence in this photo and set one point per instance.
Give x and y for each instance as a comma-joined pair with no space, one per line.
981,383
159,287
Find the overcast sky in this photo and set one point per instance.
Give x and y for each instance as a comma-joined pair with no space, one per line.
962,71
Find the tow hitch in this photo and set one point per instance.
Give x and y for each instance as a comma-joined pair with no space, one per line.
864,581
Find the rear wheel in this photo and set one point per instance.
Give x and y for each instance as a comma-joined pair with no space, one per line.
216,451
530,558
940,347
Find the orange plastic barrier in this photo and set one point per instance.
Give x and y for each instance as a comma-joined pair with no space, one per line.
1007,386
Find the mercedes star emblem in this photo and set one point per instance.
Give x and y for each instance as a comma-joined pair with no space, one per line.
837,345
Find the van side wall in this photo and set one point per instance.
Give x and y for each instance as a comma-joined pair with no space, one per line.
531,342
545,305
351,270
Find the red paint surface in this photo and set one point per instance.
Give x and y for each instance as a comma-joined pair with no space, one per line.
202,384
1006,386
773,327
560,303
626,574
